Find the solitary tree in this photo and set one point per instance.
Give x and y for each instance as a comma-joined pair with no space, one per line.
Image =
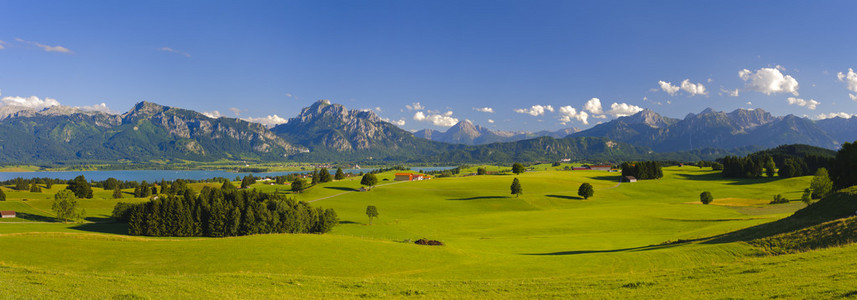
117,193
517,190
315,177
706,197
586,190
372,212
339,174
298,185
369,180
517,168
65,206
820,184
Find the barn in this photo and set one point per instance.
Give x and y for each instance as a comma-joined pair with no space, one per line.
629,179
7,214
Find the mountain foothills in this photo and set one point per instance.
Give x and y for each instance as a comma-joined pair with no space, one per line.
329,132
146,132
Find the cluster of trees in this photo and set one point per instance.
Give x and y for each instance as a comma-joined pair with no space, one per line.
784,161
750,166
32,185
220,212
711,164
642,169
80,187
843,168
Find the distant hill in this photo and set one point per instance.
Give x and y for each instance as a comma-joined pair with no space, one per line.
713,129
147,132
465,132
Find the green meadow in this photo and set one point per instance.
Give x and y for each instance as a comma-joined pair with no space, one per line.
645,239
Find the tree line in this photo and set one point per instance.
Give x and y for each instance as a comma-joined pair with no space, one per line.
642,169
221,212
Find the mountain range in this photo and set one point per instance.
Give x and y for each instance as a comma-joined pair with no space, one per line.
325,131
465,132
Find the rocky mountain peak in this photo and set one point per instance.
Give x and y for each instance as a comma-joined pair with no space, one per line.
647,117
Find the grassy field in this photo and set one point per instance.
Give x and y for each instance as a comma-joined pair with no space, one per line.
546,243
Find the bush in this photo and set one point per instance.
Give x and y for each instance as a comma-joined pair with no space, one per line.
706,197
428,242
779,199
122,211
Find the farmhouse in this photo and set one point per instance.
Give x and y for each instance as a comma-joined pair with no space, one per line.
580,168
629,179
7,214
411,177
601,167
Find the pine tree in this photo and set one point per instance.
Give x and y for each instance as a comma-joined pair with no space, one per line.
314,177
339,174
324,176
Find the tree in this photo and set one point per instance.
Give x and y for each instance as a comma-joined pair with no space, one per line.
49,183
586,191
21,185
372,212
80,187
779,199
248,181
2,195
517,168
517,190
34,188
820,184
315,177
770,167
324,176
842,168
806,198
117,193
369,180
65,206
481,171
339,174
706,197
298,185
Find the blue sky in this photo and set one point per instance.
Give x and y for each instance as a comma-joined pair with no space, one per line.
535,64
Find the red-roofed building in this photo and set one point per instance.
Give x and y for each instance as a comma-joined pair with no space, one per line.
411,177
7,214
601,167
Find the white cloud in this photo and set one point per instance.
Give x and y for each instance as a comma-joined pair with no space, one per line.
668,87
730,93
484,109
400,122
834,115
850,80
235,110
2,45
415,106
444,120
490,121
29,102
769,81
47,48
213,114
377,108
269,121
535,110
168,49
623,109
594,106
693,89
811,104
568,113
102,107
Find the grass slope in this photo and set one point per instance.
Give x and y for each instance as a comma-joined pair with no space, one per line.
546,243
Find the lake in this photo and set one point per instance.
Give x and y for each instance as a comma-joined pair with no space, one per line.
158,175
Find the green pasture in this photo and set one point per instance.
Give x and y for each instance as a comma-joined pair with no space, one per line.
546,243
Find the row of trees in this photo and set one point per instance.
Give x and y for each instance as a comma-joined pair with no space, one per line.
642,169
224,212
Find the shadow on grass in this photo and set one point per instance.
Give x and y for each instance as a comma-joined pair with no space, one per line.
348,222
341,188
732,181
610,178
113,228
565,197
100,219
632,249
34,218
480,198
